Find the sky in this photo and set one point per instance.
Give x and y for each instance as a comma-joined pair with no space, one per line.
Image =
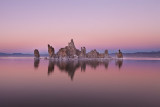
129,25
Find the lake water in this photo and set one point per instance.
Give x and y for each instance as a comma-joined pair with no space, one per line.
25,82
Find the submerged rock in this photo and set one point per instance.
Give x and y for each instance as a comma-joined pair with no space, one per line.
119,54
36,53
51,51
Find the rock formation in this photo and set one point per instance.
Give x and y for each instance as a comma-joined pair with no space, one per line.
106,55
71,44
82,52
62,53
93,54
119,54
69,51
36,53
101,55
106,52
51,51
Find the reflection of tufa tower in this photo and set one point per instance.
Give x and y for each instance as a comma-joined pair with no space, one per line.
36,63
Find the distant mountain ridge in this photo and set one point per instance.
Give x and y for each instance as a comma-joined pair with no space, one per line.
2,54
155,54
136,54
14,54
143,54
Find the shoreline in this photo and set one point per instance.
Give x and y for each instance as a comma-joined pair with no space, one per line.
81,59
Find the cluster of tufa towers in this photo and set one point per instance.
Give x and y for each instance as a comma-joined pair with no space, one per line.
70,51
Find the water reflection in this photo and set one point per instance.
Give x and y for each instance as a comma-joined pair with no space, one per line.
72,65
119,63
50,67
136,85
36,63
68,66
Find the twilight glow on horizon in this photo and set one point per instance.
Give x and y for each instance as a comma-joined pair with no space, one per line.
129,25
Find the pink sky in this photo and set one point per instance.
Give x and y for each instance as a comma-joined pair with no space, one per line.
103,24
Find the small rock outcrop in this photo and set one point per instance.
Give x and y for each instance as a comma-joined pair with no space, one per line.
71,49
82,52
101,55
36,53
51,51
106,55
62,53
119,54
93,54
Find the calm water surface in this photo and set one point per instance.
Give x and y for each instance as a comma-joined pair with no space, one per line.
25,82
